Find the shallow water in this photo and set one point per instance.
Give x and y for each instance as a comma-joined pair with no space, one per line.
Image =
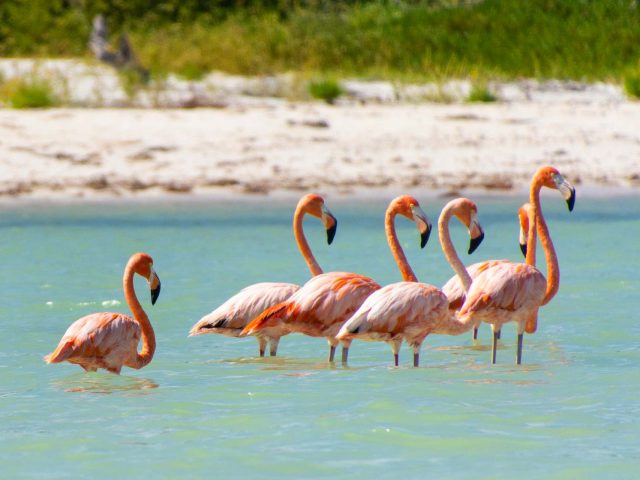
207,406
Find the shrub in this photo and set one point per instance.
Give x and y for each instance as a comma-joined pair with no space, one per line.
33,93
632,85
325,89
481,93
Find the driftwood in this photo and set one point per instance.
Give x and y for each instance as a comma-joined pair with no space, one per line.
121,59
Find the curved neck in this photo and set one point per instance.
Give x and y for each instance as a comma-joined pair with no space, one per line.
450,251
396,249
531,239
148,337
553,269
301,240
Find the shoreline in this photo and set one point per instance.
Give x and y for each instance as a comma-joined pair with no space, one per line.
281,150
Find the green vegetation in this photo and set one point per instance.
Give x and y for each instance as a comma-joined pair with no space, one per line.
405,40
632,85
31,93
480,93
325,89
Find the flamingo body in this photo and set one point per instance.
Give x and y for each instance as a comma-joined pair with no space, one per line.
110,340
100,340
454,290
319,308
505,292
400,311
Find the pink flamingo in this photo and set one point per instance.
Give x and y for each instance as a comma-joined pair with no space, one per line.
515,291
236,313
322,305
453,288
110,340
410,310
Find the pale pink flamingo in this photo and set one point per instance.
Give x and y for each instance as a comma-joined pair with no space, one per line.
453,288
236,313
515,291
410,310
326,301
110,340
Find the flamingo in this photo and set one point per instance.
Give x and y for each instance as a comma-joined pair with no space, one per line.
323,304
110,340
234,314
410,310
515,291
453,288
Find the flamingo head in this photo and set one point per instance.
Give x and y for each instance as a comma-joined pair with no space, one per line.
467,212
314,205
408,207
524,213
552,178
142,264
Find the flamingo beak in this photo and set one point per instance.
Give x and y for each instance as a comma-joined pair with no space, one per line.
566,189
154,285
423,224
330,224
476,233
522,240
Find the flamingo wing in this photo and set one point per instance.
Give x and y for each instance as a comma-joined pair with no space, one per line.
236,313
403,308
453,288
100,340
504,292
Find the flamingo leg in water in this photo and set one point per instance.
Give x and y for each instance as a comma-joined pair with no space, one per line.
273,346
494,346
395,359
262,345
499,334
332,352
345,355
475,333
519,353
416,359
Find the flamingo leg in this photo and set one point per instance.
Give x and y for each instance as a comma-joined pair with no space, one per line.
332,352
273,350
395,359
345,354
475,333
519,353
262,345
416,359
499,334
494,346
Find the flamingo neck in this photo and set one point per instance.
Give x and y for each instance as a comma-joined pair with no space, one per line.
450,251
396,250
531,239
303,245
553,269
148,336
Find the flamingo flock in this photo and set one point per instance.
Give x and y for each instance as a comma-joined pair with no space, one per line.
343,306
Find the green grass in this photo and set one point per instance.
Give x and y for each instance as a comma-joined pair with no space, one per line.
632,85
31,93
326,89
404,40
480,93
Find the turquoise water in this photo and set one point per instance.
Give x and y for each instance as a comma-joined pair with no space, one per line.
207,407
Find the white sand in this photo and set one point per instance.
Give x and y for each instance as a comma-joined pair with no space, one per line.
281,148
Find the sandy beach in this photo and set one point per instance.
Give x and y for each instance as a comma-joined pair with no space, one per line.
275,147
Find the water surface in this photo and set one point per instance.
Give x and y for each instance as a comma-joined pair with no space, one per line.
208,407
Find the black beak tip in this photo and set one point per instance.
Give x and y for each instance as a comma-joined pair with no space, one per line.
424,237
571,200
475,243
523,249
155,293
331,232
